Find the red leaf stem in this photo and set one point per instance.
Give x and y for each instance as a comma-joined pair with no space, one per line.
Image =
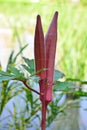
25,83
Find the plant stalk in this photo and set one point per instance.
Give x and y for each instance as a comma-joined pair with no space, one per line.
44,108
31,88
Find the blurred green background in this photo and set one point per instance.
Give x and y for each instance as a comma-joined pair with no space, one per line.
72,29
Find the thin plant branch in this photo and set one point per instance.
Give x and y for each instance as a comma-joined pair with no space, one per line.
25,83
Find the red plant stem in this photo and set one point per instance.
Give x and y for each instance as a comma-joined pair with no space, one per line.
43,123
25,83
44,105
44,108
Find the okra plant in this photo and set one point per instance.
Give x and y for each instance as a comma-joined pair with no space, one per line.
44,50
40,70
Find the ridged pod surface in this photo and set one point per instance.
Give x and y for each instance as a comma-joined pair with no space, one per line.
39,52
50,46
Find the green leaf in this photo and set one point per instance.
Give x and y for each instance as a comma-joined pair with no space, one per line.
17,73
25,67
4,73
10,61
29,70
19,52
14,70
14,74
35,78
63,86
5,78
29,65
58,75
29,62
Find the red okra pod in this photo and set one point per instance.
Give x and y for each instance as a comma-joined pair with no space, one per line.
50,45
45,55
39,51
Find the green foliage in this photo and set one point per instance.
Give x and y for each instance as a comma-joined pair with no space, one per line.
12,73
8,92
64,86
12,87
29,67
58,75
12,59
53,110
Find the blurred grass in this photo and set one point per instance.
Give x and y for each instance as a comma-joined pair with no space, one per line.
72,39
